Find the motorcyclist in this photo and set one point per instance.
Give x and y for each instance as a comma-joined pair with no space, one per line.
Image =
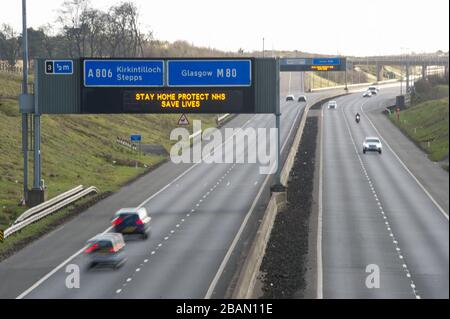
357,117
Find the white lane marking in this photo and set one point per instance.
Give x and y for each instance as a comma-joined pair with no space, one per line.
319,257
216,278
397,248
52,272
405,167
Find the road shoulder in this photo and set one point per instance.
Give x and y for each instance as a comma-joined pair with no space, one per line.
430,174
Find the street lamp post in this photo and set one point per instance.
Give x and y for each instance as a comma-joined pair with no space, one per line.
24,92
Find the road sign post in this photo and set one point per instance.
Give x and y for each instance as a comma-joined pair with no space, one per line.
137,138
345,75
25,92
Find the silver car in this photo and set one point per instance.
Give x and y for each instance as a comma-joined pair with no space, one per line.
373,89
290,97
302,98
332,105
372,144
106,250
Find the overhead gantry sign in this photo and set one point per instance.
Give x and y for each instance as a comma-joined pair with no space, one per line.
312,64
115,86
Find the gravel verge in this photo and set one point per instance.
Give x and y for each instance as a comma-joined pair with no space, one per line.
284,265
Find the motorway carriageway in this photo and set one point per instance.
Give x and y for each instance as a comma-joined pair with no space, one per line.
375,212
198,214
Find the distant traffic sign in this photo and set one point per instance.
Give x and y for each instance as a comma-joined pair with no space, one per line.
326,61
183,120
312,64
209,73
123,73
136,138
59,67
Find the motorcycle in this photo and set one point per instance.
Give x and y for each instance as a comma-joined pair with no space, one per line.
357,119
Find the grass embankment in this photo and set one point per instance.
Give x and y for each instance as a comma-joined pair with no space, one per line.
76,149
427,122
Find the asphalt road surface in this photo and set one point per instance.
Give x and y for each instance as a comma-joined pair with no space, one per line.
198,212
376,215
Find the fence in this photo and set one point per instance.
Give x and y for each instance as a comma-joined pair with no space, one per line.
126,143
6,68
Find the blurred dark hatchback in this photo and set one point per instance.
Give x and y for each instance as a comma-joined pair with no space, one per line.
132,221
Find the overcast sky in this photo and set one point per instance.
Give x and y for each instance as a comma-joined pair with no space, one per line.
347,27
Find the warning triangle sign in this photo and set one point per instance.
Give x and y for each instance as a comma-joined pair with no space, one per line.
183,120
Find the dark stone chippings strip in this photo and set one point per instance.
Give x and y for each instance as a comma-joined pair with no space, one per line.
284,264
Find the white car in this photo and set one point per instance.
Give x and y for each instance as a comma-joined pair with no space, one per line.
367,94
372,144
302,98
373,90
290,97
332,105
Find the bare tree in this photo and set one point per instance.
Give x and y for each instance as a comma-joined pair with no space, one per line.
73,28
123,31
95,23
9,44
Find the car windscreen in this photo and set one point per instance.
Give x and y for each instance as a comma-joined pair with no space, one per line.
129,219
101,246
372,141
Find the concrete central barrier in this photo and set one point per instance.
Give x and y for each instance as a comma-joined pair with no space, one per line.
248,273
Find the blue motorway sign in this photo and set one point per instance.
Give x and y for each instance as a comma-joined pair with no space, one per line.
123,73
59,67
209,73
326,61
135,138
